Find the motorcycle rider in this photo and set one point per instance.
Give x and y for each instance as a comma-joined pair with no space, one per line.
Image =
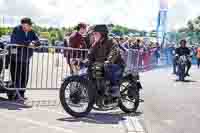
184,50
104,51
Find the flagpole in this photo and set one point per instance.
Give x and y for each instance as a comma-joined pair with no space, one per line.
162,22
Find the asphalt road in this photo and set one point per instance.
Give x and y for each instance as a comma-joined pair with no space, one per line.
171,106
42,113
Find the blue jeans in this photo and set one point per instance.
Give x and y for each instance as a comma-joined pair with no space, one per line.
114,73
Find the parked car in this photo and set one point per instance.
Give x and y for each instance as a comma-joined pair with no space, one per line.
44,42
5,39
59,44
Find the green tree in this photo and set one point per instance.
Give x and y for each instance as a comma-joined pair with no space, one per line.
5,31
60,35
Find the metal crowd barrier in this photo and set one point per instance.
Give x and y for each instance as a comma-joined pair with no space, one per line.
139,60
41,67
45,67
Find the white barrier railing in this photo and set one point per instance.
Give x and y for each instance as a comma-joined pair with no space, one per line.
45,67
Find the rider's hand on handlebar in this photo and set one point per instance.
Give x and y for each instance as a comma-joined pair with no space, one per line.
106,63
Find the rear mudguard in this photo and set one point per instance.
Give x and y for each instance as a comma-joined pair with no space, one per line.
139,85
134,79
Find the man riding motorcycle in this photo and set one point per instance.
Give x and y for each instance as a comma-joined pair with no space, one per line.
104,51
183,50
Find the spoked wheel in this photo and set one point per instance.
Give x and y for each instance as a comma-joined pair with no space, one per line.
76,97
130,97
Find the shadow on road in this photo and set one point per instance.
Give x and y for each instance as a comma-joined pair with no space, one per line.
6,104
186,81
101,118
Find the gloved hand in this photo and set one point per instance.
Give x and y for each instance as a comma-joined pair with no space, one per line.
106,64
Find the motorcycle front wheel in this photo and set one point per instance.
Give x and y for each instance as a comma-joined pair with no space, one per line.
76,96
129,103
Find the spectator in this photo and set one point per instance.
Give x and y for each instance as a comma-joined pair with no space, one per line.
174,61
7,59
89,39
20,59
77,40
157,53
193,52
127,44
122,40
137,44
198,57
1,60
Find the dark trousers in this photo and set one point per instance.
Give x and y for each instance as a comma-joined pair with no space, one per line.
1,65
19,74
189,64
198,62
174,65
114,73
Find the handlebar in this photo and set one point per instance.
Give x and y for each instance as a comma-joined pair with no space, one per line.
3,52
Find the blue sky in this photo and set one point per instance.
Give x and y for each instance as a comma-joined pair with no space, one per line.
141,14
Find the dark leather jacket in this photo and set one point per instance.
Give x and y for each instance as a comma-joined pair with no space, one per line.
105,51
19,37
183,51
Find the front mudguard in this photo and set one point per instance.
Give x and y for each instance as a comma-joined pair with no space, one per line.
84,76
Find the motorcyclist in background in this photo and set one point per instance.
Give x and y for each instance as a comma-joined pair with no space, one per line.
103,50
184,50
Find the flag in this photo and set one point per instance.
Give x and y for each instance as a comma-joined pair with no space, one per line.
158,22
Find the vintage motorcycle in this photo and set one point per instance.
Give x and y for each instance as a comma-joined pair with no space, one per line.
182,64
79,94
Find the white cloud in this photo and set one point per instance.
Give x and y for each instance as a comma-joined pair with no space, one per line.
140,14
181,12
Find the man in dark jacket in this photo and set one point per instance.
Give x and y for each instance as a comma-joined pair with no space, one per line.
105,51
20,56
183,50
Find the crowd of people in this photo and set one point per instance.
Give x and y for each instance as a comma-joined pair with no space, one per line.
82,38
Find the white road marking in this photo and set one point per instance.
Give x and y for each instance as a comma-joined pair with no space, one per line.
133,125
137,124
38,123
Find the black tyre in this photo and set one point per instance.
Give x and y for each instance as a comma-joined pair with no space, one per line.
182,73
134,99
11,95
79,85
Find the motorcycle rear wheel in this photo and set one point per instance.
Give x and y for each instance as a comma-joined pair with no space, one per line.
135,100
